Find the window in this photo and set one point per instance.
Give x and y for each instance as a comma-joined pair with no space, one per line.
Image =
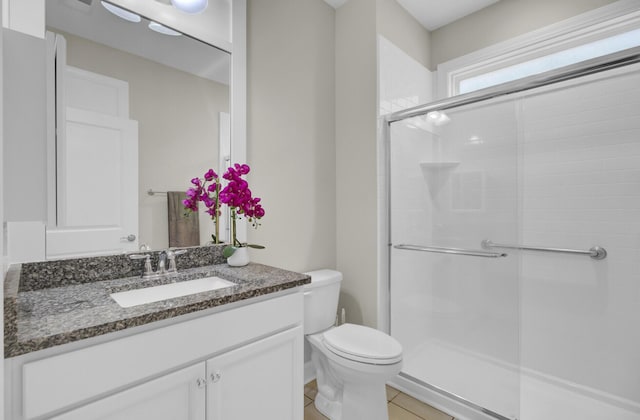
593,34
552,61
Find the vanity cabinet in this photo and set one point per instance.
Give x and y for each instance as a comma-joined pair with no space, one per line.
253,381
239,363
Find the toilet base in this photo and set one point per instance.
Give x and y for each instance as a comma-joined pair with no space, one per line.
349,390
375,396
328,400
330,409
351,407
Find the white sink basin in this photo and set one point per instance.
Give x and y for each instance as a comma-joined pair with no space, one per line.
169,291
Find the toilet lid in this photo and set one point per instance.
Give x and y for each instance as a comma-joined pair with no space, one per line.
360,343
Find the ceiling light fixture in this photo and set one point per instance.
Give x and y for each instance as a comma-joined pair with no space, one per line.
121,13
190,6
155,26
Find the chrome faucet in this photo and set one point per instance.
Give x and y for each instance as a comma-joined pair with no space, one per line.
168,255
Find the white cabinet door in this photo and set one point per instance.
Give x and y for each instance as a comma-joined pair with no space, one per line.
262,380
176,396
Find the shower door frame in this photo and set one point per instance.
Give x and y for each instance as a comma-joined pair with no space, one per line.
597,65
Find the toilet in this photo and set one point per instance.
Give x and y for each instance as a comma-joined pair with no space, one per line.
352,362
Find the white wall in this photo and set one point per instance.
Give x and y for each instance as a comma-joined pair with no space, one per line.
291,141
358,23
177,115
501,21
356,171
25,16
404,31
24,163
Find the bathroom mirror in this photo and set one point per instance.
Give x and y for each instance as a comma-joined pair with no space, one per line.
174,88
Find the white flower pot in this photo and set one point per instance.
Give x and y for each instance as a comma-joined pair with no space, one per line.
240,257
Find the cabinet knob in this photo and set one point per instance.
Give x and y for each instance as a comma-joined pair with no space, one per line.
201,382
215,377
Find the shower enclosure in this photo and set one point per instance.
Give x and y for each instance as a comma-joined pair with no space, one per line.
514,257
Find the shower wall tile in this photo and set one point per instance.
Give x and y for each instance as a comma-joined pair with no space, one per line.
403,81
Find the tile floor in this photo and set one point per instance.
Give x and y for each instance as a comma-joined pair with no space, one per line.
401,406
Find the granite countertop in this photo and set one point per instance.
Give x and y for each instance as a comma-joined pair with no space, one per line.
39,318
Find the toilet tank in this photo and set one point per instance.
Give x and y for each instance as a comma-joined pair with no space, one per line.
321,300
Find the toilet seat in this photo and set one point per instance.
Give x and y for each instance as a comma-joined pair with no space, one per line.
363,344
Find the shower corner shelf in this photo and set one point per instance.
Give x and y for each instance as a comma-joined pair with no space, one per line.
439,165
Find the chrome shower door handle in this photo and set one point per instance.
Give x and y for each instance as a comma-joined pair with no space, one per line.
595,252
451,251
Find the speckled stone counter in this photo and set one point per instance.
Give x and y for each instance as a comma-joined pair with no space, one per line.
39,317
56,273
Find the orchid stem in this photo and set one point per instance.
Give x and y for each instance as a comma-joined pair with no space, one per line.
217,206
233,227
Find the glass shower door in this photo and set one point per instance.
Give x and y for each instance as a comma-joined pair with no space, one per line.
454,306
580,185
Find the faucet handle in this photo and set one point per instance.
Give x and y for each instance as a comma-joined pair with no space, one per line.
139,256
171,253
171,256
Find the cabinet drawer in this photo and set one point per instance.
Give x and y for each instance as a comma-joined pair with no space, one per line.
70,378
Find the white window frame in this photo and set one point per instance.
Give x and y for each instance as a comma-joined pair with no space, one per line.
613,19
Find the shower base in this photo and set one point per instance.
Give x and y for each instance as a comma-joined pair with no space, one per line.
499,390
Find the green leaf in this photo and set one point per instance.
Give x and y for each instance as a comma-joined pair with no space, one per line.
228,251
255,246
